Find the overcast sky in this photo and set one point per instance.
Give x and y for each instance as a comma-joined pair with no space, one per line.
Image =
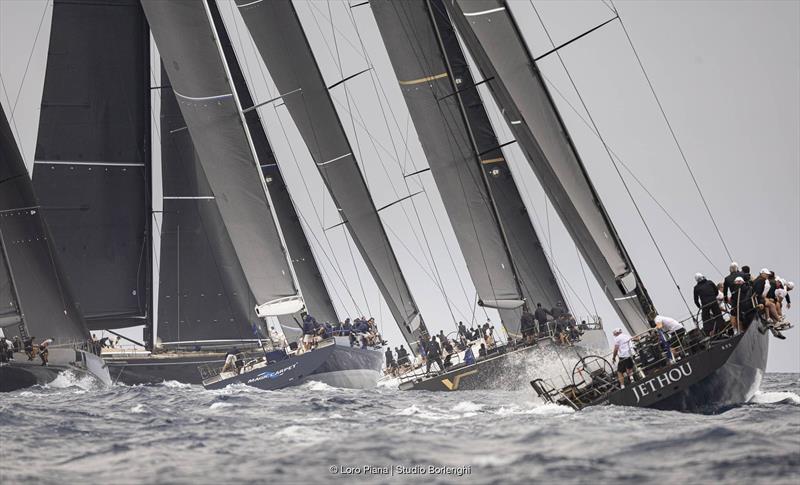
727,73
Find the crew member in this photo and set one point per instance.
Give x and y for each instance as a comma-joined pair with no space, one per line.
623,348
705,297
541,318
434,355
728,282
43,351
668,329
390,363
527,326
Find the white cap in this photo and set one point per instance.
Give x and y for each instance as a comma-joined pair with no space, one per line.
617,331
789,285
739,279
734,266
765,271
658,319
699,277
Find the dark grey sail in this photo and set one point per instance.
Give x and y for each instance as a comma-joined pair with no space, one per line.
197,73
92,160
33,289
492,36
203,295
315,294
280,40
421,70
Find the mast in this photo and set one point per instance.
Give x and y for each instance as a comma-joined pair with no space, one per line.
279,38
315,294
92,162
426,83
199,78
30,275
493,37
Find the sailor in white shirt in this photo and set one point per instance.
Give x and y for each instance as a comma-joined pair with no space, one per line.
623,347
667,327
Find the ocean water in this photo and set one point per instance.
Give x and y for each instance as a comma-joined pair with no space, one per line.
74,432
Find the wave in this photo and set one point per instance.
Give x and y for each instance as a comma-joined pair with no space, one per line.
775,397
67,379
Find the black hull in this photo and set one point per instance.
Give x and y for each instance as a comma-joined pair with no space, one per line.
726,373
733,383
15,376
504,371
345,367
278,375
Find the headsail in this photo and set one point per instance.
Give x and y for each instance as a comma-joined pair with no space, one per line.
32,286
203,294
93,157
492,36
197,73
280,40
315,294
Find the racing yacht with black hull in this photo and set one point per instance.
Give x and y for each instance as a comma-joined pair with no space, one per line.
707,373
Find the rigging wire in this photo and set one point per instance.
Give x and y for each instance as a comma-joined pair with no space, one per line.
632,174
672,132
613,162
30,56
402,168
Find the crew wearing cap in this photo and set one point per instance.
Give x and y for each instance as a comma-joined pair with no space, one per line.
741,304
727,285
705,297
623,347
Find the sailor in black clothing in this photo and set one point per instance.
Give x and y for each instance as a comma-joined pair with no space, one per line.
390,364
705,297
742,308
527,325
4,355
557,311
434,355
727,283
541,318
28,343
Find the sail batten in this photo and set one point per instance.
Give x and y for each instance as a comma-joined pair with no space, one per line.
500,52
281,42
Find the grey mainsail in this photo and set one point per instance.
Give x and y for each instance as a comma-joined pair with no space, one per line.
93,157
30,277
197,73
203,294
315,294
280,40
421,70
492,36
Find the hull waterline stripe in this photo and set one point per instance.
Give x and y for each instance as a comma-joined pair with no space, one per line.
493,160
197,197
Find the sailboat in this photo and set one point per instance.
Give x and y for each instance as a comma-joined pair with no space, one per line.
729,369
35,300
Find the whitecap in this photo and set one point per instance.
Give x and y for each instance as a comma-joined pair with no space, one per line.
219,405
467,406
775,397
68,379
176,385
139,409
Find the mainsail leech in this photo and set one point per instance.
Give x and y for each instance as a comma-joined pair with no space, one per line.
492,36
280,40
